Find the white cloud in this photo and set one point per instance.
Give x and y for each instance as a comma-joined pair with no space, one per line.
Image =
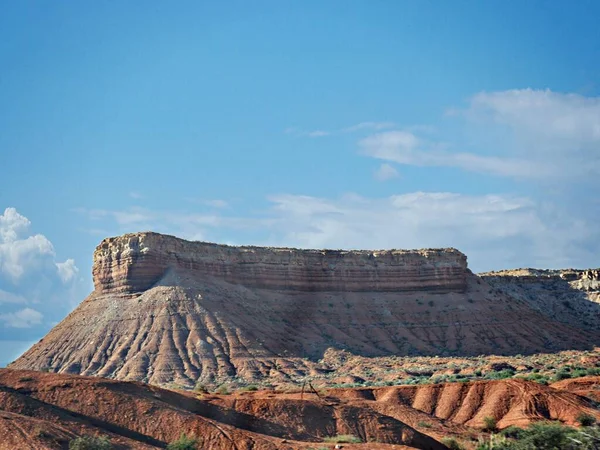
67,270
19,254
8,297
569,117
30,275
495,231
385,172
24,318
534,134
403,147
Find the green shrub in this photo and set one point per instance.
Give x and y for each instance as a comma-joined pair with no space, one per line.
343,439
90,443
562,375
200,388
250,387
489,424
586,420
546,436
424,424
223,390
512,432
452,444
502,374
184,443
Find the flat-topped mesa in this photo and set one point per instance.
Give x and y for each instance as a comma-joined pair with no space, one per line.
135,262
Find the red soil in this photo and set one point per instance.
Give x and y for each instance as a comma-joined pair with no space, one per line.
45,411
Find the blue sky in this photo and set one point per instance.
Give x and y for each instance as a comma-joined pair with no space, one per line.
313,124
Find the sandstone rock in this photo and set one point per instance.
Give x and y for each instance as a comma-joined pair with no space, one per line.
135,262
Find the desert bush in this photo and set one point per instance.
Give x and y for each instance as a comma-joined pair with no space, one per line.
223,390
90,443
184,443
424,424
506,373
562,375
542,436
586,420
512,432
200,388
250,387
489,424
593,371
452,444
343,439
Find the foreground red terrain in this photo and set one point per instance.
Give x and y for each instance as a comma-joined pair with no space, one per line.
46,411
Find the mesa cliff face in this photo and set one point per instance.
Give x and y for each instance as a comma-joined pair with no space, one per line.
135,262
167,310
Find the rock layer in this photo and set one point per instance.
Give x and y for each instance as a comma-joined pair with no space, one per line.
135,262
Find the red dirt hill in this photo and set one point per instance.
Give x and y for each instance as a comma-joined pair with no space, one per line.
45,411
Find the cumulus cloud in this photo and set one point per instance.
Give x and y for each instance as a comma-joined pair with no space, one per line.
385,172
32,282
18,253
67,270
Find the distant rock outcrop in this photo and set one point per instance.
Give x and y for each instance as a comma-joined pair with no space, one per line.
168,310
569,296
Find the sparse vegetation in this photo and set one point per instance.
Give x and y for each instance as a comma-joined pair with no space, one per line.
586,420
490,424
424,424
452,444
200,388
223,390
90,443
543,436
343,439
250,387
184,443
